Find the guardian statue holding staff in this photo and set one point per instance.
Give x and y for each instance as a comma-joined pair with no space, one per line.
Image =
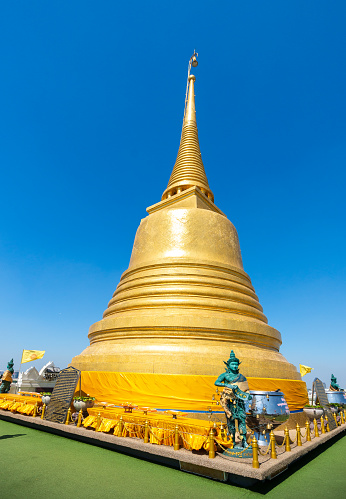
235,393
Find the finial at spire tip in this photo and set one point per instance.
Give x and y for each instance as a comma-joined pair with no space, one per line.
192,77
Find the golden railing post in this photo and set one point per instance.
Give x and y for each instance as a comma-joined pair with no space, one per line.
79,422
254,445
211,444
35,411
323,430
299,437
336,421
176,438
68,416
43,411
328,429
342,417
98,421
316,428
120,429
344,411
146,432
287,440
272,446
308,436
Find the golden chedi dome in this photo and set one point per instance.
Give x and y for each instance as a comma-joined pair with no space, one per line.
185,301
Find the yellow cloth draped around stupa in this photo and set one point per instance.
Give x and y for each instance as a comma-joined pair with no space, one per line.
174,391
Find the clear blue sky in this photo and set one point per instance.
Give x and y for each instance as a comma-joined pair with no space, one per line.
92,97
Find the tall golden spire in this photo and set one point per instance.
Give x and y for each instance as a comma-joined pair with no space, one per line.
188,170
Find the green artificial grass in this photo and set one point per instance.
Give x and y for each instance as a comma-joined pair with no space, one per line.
34,463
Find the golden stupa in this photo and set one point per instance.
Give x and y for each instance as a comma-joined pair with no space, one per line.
185,301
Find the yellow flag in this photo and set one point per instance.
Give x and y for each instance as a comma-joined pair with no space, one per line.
304,369
29,355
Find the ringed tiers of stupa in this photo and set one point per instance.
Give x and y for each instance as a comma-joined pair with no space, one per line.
185,301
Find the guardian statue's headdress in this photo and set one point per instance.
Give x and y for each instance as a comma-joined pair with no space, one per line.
232,358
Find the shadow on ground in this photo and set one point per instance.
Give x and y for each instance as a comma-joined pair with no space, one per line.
2,437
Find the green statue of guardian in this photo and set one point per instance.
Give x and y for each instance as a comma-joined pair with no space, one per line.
6,379
333,384
235,393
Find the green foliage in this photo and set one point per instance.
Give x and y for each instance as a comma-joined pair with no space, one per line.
317,406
